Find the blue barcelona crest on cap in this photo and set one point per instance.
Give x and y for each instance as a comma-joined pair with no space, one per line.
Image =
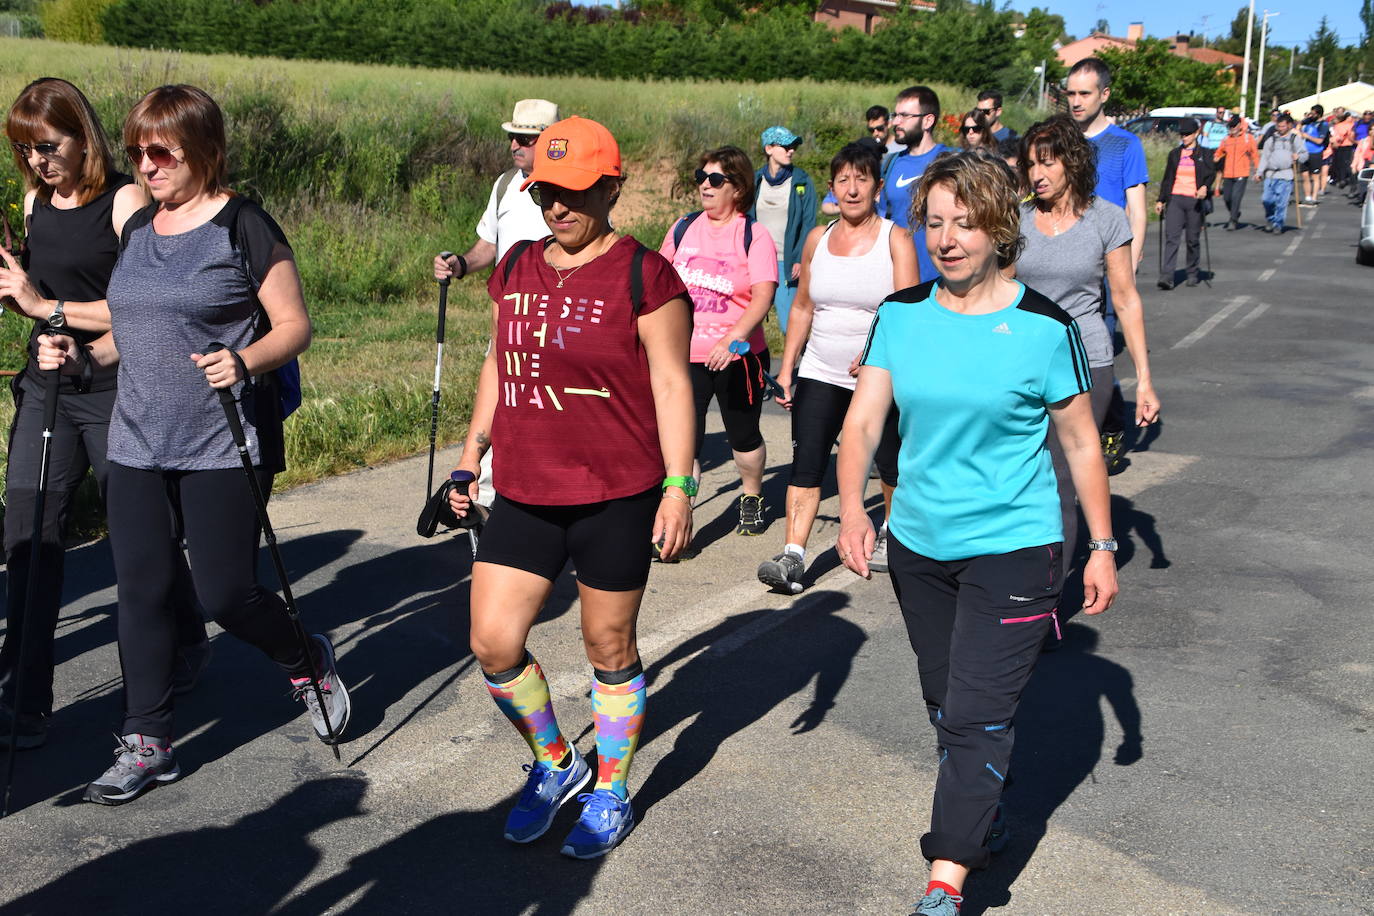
558,148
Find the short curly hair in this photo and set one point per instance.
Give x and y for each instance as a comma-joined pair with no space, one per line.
987,187
1060,139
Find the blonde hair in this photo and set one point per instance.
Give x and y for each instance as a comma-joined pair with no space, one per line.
984,184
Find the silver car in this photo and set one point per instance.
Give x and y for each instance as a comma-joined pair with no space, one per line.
1364,251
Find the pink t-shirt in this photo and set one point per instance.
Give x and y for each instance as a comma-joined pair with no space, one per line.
718,274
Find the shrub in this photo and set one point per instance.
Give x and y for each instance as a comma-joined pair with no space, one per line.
75,20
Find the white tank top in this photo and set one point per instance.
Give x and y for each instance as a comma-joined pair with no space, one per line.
846,292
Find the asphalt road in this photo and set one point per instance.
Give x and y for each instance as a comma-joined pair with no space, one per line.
1202,748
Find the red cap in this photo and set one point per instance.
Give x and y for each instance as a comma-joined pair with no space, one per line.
574,153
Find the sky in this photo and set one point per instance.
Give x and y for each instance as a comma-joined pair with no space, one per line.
1295,24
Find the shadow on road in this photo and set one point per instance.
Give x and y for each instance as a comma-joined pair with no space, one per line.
727,691
1059,735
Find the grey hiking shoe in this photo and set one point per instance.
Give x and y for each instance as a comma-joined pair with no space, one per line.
938,903
751,519
190,664
335,693
783,573
878,562
139,761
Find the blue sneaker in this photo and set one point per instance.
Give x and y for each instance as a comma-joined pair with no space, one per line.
546,790
605,821
938,903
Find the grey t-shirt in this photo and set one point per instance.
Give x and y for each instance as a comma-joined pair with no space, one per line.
171,296
1069,268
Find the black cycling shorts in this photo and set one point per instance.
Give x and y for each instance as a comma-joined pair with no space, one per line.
608,542
738,390
818,410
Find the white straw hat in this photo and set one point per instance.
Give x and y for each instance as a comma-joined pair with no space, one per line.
531,116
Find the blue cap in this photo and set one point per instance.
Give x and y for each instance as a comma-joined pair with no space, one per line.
779,136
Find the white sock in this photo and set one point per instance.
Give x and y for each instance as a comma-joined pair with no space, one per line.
797,549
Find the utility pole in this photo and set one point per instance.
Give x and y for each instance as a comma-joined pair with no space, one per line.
1044,64
1259,78
1245,71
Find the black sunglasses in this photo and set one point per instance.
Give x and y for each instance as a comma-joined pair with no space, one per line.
545,194
525,140
970,128
714,179
159,155
42,149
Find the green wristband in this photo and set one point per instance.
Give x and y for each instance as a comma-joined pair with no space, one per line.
688,484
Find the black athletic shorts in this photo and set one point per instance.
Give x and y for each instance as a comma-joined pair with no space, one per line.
738,390
818,410
1313,165
608,542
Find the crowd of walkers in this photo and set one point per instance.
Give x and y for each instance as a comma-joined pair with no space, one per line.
952,329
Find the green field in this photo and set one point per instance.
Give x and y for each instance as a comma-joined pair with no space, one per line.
371,170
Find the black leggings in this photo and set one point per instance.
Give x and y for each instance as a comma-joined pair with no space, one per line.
738,390
221,527
78,443
818,410
1104,384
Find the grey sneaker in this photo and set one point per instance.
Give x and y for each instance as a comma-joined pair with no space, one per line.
190,664
783,573
938,903
878,562
335,693
139,761
751,519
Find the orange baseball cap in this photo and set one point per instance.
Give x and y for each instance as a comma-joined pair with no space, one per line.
573,153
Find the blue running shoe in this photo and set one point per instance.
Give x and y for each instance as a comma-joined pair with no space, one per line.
605,820
546,790
938,903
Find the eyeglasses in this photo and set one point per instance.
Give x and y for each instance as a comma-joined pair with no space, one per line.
159,155
525,140
545,194
43,149
908,114
714,179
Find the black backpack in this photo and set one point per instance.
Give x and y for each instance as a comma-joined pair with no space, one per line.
680,229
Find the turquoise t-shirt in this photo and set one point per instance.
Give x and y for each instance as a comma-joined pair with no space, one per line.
974,471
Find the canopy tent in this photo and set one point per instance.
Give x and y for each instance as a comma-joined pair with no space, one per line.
1356,97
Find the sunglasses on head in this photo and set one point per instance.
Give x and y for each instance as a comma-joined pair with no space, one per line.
42,149
525,140
159,155
714,179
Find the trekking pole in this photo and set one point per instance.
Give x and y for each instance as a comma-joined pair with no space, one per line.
1207,251
473,520
1297,206
231,414
438,371
1161,245
51,380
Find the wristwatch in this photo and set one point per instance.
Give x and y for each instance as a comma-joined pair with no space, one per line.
686,482
1107,544
58,318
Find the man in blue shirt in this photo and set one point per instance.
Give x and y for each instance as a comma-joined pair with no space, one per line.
1121,171
1214,131
1317,133
913,125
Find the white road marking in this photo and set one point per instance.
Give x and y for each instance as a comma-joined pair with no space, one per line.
1254,313
1267,275
1292,246
1212,322
1126,383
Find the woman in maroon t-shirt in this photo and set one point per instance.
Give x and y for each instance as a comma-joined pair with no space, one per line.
586,390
